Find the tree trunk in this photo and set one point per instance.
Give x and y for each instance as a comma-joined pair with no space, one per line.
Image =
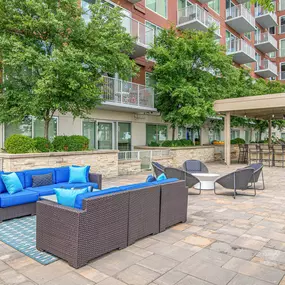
173,133
46,128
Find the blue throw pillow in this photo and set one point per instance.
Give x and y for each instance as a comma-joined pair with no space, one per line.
150,178
87,171
77,174
161,177
66,197
12,183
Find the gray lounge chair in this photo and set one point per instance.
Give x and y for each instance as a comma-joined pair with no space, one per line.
195,166
157,168
190,180
258,169
237,180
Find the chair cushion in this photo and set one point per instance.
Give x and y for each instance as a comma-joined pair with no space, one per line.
66,197
12,183
42,180
87,171
77,174
161,177
193,166
20,175
61,174
150,178
19,198
29,173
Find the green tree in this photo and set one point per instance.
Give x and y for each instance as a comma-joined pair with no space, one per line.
191,71
53,60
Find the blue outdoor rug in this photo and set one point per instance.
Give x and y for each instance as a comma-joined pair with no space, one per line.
21,235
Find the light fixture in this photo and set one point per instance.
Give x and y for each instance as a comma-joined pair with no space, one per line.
244,115
272,115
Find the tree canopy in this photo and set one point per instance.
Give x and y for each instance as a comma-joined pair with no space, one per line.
53,60
191,71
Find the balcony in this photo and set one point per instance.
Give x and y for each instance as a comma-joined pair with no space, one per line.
195,17
144,36
127,96
266,69
264,18
134,1
265,42
240,19
204,1
241,51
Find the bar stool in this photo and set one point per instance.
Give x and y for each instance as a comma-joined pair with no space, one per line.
266,154
253,153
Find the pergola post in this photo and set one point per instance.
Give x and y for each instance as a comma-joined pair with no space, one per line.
269,132
227,134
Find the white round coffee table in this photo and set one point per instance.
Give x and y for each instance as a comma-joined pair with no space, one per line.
207,180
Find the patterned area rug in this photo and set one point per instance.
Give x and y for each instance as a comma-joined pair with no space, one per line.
21,235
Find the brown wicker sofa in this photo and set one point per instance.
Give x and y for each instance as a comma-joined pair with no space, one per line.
109,222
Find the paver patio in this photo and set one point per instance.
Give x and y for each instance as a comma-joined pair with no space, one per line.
224,241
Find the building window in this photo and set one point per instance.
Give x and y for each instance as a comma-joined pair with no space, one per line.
156,133
282,48
158,6
183,4
182,133
248,35
282,71
282,25
281,5
283,136
156,28
235,134
272,54
31,127
215,5
124,136
272,30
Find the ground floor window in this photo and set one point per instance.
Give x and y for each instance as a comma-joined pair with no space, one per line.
181,133
108,135
214,135
156,133
31,127
235,134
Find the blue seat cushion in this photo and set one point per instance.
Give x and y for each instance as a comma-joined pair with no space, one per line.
29,173
79,199
61,174
20,175
49,189
19,198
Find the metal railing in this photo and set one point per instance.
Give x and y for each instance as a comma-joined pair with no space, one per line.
197,13
127,93
144,35
145,156
265,37
239,45
266,64
281,29
260,11
240,11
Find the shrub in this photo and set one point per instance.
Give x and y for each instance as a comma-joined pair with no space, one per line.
20,144
60,143
177,143
43,145
77,143
153,144
238,141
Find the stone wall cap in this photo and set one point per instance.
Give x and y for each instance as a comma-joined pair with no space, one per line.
173,148
129,161
54,154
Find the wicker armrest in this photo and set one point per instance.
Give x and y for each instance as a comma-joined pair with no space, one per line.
96,178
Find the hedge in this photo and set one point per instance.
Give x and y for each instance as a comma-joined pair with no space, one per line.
174,143
43,144
71,143
238,141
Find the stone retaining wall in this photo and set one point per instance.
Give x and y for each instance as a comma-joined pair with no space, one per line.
127,167
105,162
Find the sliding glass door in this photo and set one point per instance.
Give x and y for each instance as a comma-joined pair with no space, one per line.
105,135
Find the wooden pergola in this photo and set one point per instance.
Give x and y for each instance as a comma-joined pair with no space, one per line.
264,107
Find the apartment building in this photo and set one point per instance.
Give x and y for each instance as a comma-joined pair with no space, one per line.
128,118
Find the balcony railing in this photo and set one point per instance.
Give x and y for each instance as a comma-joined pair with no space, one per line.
265,18
240,11
266,64
196,13
239,45
144,35
265,37
127,93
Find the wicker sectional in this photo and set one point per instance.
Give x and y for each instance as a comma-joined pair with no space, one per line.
109,222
